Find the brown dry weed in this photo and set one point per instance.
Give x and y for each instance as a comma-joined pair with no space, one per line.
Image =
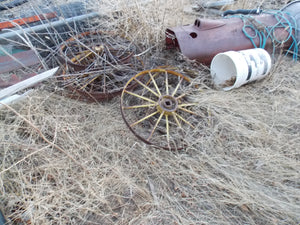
64,161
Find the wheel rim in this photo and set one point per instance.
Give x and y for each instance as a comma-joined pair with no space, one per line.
157,110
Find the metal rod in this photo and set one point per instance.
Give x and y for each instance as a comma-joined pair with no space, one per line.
12,34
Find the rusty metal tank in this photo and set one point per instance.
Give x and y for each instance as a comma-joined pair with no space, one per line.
205,38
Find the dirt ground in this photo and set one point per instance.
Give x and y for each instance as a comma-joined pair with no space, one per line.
65,161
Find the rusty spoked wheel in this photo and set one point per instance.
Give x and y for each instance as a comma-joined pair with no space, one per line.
98,64
157,110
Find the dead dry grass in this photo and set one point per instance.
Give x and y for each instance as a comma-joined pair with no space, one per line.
68,162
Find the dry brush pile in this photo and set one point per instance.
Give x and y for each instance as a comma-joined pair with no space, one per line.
64,161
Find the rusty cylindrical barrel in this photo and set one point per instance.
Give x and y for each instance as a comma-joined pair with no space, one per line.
206,37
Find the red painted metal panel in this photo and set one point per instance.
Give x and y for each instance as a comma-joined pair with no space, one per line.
18,60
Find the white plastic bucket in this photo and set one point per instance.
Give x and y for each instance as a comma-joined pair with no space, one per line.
233,69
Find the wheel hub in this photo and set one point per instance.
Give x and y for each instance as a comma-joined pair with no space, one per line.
167,104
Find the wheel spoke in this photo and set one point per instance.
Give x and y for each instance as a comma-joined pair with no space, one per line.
146,87
78,57
88,82
153,75
85,56
187,110
138,106
155,126
168,130
81,56
181,96
184,120
143,119
178,85
167,83
176,119
187,104
139,96
154,82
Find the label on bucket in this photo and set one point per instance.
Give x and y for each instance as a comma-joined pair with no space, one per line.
257,65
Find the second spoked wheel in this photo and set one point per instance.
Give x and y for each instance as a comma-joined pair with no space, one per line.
157,110
98,64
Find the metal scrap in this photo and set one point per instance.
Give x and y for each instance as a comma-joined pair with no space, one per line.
98,64
26,20
205,38
67,16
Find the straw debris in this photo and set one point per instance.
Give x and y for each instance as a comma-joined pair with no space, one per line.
64,161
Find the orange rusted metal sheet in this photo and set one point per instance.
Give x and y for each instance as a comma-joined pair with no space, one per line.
27,20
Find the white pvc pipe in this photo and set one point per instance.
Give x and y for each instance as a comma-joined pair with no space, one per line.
13,99
26,83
